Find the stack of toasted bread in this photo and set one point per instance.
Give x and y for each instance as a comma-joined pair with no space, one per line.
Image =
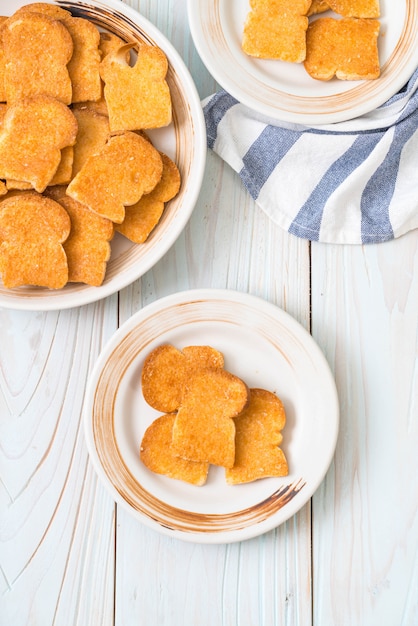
76,165
210,417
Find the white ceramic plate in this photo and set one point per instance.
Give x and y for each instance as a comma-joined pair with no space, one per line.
284,91
184,141
265,347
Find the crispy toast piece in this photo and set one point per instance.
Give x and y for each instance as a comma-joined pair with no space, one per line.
257,440
88,245
157,456
3,19
40,66
142,217
33,134
345,48
32,231
92,134
356,8
138,97
318,6
109,43
166,371
276,29
64,170
85,61
83,66
125,168
45,8
204,428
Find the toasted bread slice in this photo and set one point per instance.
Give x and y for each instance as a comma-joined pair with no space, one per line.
3,96
109,43
167,369
137,97
93,132
142,217
32,231
318,6
83,66
118,174
33,134
157,456
85,61
88,246
204,429
356,8
257,440
345,48
276,29
64,171
44,8
40,65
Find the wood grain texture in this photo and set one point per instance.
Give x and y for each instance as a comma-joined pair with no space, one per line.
70,557
51,506
365,512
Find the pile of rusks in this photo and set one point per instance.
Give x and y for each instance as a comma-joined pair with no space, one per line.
76,164
210,417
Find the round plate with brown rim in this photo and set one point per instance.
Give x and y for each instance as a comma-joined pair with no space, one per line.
184,141
263,345
284,91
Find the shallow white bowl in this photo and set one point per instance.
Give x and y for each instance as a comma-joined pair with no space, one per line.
184,141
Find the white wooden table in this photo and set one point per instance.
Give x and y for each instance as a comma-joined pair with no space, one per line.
71,557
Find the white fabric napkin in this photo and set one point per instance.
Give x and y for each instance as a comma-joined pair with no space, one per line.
350,182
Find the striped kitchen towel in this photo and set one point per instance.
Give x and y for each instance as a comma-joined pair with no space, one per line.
349,182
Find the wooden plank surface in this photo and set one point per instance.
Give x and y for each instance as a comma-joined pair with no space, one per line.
364,316
70,557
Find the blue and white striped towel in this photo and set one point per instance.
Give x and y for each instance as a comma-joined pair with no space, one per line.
349,182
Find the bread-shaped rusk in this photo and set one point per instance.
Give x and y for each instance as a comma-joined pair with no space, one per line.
138,96
109,42
318,6
345,48
117,175
204,428
276,29
32,135
3,19
167,370
257,440
88,245
356,8
142,217
37,50
32,231
83,66
45,8
93,133
85,61
157,456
